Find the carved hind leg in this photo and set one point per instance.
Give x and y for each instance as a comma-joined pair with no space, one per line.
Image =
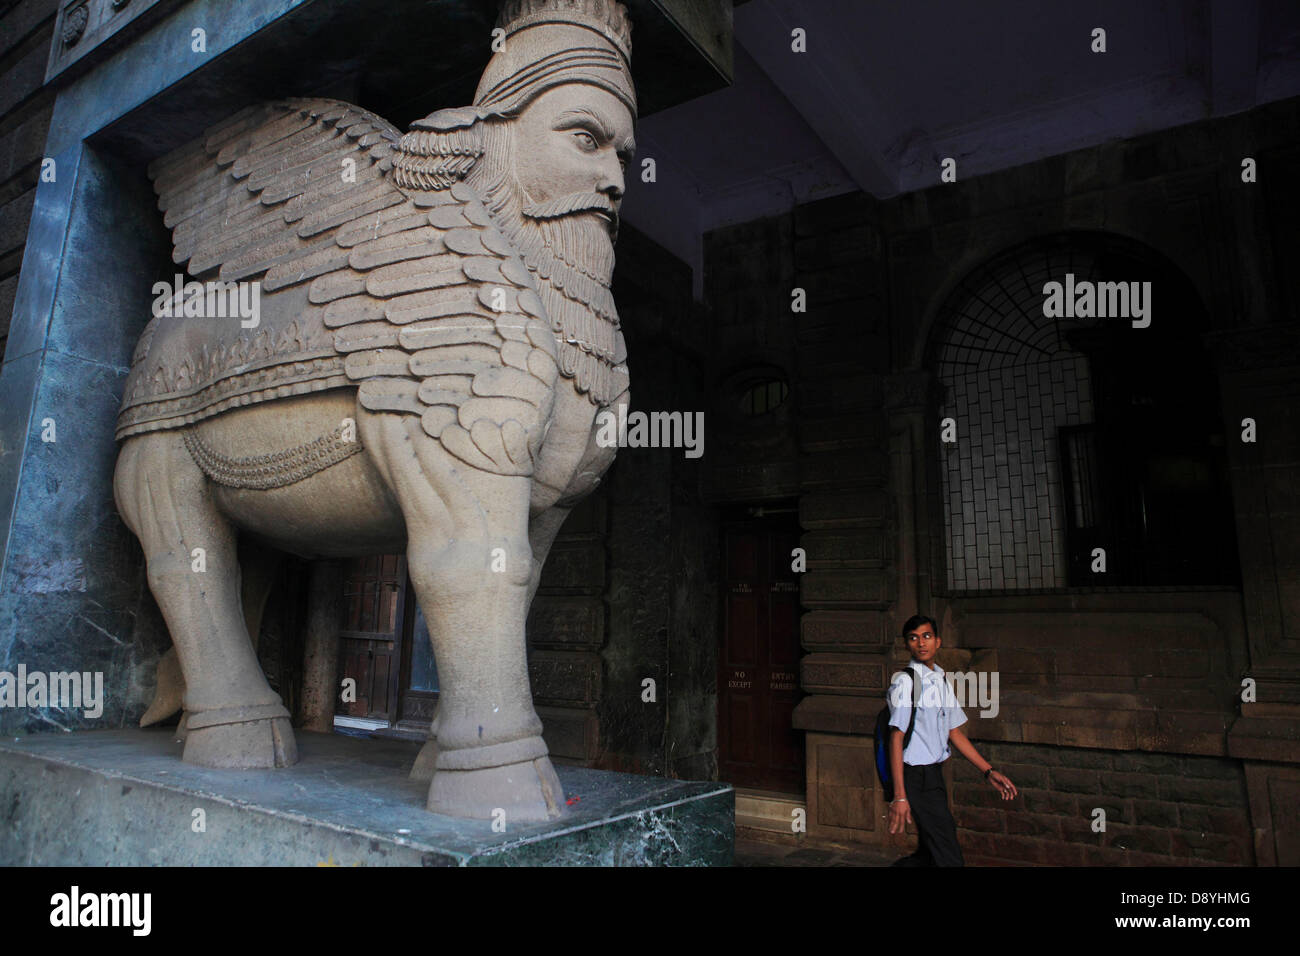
234,719
469,558
257,567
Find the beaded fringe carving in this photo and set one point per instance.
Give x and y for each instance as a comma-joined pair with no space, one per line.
277,470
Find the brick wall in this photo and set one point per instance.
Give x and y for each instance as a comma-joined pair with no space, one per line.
1160,809
26,30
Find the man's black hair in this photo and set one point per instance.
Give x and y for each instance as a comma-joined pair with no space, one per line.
915,621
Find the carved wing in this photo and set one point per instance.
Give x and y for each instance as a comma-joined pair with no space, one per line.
261,194
433,312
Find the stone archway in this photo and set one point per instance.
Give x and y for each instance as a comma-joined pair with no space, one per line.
1033,458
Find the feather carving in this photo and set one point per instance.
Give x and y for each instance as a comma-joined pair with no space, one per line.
403,290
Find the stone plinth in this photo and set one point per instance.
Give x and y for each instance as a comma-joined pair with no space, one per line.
124,798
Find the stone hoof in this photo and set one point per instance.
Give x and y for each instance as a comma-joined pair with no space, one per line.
426,760
527,792
169,693
214,739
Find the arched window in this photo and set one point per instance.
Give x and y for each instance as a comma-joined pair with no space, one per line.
1079,437
764,395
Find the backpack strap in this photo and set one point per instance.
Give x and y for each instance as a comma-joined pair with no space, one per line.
916,701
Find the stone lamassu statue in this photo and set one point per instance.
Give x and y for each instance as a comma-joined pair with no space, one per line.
436,338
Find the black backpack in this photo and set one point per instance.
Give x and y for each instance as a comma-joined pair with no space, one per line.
882,737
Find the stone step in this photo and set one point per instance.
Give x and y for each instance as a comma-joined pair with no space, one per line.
764,810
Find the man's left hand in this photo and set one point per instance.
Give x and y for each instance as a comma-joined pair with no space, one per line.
1003,785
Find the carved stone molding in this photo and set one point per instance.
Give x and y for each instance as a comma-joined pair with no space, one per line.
74,24
84,26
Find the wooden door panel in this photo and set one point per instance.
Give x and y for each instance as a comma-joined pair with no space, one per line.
356,666
742,643
786,752
741,709
783,618
382,702
370,634
742,557
758,684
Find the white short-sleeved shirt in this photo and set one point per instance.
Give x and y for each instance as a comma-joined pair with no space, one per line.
936,714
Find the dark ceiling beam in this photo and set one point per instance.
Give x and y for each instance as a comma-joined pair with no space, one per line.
681,49
823,89
402,59
1233,55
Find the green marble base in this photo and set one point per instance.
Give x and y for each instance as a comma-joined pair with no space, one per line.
124,798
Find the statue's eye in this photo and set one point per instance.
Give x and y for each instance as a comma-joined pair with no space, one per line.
585,139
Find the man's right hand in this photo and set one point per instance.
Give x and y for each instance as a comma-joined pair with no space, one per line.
900,814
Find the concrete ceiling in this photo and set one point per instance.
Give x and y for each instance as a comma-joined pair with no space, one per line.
888,89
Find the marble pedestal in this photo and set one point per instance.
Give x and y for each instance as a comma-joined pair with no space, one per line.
124,798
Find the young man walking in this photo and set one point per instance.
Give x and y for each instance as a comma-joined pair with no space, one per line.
924,800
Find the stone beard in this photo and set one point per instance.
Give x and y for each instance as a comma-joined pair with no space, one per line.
568,244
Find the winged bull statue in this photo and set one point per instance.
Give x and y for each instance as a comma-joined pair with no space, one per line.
435,341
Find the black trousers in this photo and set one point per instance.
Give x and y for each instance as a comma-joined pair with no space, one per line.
935,828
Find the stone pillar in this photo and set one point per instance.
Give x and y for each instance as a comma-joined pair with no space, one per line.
1260,378
72,580
72,588
845,509
909,399
320,657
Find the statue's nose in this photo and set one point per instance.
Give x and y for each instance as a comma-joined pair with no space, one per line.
611,181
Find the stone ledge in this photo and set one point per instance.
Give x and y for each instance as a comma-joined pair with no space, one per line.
124,798
1100,724
1267,737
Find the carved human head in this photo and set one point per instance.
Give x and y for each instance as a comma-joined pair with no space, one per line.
549,134
560,84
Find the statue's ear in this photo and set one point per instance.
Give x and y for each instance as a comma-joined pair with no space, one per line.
440,150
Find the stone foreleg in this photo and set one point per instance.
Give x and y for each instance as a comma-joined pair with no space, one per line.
470,560
541,535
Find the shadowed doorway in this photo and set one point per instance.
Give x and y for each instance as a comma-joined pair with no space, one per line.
758,662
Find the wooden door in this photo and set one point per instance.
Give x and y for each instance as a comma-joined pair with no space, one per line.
758,663
371,634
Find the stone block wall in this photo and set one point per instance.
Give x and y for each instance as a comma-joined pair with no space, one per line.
26,29
1159,809
845,506
625,596
566,629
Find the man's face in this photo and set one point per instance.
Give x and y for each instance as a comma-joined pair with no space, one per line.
923,643
573,141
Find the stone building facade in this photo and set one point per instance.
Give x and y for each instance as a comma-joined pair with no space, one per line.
1124,696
